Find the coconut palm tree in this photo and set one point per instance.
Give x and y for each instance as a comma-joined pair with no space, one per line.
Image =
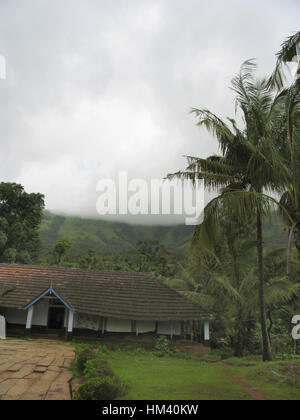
224,282
245,170
289,52
287,140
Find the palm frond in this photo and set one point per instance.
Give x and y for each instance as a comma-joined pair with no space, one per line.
280,291
287,54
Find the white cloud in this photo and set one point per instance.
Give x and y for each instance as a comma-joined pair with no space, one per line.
94,87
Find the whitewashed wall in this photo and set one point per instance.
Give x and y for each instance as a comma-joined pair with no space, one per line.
125,326
112,324
90,322
40,318
19,316
40,313
145,326
169,328
15,316
118,325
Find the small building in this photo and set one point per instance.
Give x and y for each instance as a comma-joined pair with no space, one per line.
78,302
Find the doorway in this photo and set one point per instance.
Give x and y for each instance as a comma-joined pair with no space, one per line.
56,318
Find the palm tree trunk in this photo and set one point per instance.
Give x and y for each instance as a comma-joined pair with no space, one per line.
297,237
239,342
270,325
267,353
289,252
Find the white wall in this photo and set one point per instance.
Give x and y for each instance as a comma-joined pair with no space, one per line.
19,316
145,326
90,322
40,318
169,328
15,316
40,313
118,325
112,325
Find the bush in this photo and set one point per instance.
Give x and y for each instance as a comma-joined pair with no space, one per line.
98,389
162,347
100,381
287,357
82,356
97,367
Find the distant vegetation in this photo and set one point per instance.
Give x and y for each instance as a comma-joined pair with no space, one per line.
108,237
113,237
99,245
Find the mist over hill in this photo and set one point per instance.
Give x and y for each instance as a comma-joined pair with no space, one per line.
108,237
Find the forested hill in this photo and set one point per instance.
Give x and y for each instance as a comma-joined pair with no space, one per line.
107,237
110,237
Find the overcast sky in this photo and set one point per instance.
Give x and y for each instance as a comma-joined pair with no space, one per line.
98,86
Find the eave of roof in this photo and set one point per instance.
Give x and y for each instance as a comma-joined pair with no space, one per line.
50,291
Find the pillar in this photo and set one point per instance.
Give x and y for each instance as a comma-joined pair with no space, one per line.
29,320
70,325
206,334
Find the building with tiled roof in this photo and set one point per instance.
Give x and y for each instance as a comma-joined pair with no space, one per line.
83,301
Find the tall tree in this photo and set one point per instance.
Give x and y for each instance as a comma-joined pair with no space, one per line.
288,144
61,249
287,135
245,168
20,217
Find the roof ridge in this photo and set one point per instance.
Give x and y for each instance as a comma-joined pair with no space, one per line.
33,266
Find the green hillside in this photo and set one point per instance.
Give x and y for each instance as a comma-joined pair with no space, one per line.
107,237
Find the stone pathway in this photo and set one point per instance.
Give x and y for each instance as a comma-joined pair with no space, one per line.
34,370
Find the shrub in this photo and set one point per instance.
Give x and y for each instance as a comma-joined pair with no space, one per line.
162,347
287,357
100,388
97,367
82,356
100,381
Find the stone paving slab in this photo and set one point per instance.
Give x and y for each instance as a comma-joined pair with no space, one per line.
34,370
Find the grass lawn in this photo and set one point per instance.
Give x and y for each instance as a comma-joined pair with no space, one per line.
276,380
152,378
202,378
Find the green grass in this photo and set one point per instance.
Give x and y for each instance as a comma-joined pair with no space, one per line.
192,378
276,380
176,380
153,378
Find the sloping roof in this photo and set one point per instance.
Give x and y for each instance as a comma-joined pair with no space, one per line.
124,295
5,290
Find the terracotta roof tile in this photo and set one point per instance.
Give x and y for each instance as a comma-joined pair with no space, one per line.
125,295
